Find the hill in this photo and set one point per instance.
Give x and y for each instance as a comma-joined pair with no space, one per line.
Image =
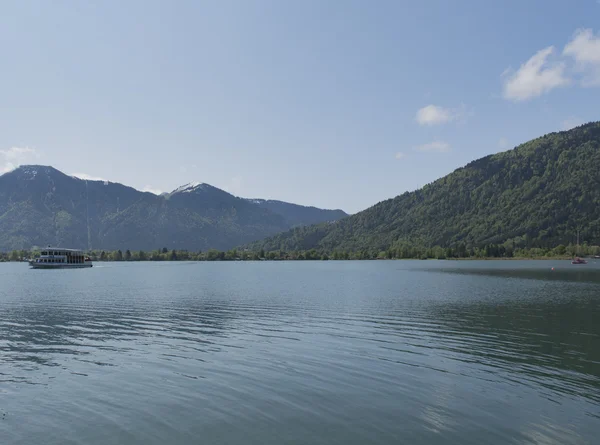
536,195
298,215
39,205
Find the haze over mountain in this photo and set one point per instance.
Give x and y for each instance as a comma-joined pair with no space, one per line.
298,215
538,194
39,205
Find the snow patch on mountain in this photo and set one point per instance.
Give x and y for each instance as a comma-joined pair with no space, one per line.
190,187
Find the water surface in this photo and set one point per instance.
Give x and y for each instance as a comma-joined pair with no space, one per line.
380,352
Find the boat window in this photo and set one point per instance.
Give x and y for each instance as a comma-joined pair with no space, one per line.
44,253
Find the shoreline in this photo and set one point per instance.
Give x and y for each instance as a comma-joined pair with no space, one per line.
97,261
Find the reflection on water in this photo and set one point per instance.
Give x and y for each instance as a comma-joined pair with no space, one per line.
560,272
314,352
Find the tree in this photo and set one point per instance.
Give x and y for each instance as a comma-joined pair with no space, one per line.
127,255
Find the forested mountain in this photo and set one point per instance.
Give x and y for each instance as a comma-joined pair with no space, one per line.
39,205
298,215
536,195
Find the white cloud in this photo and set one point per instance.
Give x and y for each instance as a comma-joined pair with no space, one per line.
436,115
435,146
584,48
15,156
400,155
503,143
571,122
17,153
433,115
535,77
149,188
87,177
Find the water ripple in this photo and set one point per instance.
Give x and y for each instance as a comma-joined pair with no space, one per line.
386,352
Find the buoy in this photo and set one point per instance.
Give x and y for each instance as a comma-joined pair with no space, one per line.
553,268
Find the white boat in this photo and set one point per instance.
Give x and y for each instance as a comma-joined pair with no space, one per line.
59,258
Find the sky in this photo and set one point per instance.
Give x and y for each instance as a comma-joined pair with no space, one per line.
336,104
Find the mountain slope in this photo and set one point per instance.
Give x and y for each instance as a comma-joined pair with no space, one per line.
39,205
538,194
298,215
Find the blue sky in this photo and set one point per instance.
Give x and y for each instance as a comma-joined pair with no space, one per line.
338,104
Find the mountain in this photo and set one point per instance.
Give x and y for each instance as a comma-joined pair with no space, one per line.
39,205
298,215
536,195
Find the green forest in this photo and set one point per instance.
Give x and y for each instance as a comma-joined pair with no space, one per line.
536,196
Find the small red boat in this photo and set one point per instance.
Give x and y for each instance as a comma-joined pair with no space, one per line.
578,260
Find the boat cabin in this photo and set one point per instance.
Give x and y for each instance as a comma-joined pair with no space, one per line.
61,256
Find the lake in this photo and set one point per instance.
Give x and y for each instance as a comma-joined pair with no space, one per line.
378,352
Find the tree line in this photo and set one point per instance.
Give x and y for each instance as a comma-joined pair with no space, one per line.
401,252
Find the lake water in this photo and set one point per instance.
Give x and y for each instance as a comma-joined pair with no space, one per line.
380,352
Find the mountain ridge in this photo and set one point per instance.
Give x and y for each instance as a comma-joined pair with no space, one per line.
537,194
40,205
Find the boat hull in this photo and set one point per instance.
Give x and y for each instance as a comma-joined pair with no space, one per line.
59,266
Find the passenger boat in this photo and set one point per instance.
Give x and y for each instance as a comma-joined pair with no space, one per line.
59,258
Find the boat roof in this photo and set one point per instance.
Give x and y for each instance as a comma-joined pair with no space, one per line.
61,248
